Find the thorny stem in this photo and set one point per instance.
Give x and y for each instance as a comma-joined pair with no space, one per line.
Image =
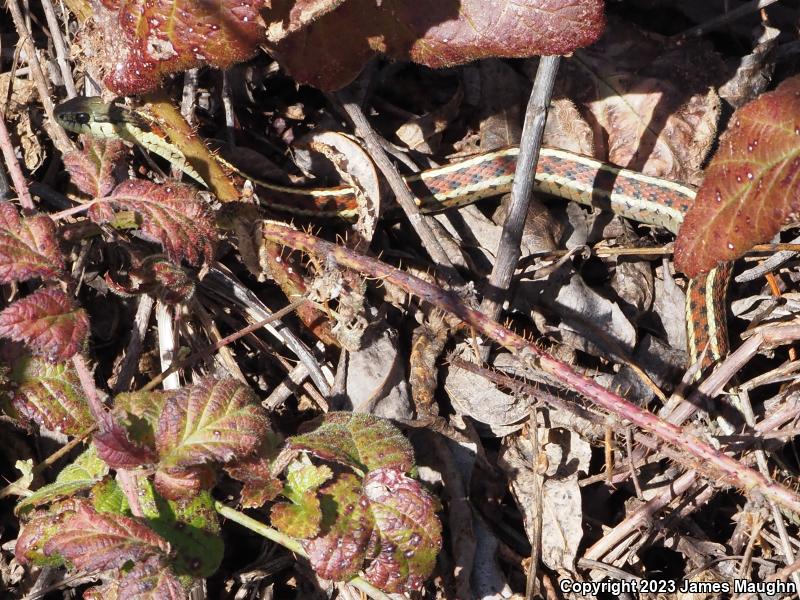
290,544
700,455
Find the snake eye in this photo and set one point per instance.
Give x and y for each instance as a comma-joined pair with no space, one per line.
82,118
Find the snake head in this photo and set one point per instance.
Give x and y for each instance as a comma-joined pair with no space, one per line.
92,115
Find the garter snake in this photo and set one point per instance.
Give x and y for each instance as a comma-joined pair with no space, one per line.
642,198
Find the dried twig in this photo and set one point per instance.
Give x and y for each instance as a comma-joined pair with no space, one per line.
508,252
399,187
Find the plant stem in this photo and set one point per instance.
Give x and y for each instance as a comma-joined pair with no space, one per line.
289,543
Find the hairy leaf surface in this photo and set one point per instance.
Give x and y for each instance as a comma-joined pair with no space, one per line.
92,168
28,247
170,213
47,322
301,517
360,440
92,540
330,52
410,533
82,474
213,421
160,38
118,448
50,395
339,552
151,579
260,485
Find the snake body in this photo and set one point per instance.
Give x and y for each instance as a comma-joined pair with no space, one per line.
642,198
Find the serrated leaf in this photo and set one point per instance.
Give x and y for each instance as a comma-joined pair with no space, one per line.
38,530
92,168
260,485
213,421
191,527
752,186
151,580
117,447
82,474
48,323
305,478
139,412
347,528
167,37
28,247
331,51
301,518
51,395
410,532
360,440
170,213
91,540
185,482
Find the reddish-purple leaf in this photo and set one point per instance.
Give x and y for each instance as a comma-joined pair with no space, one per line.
212,421
327,42
151,580
163,279
51,395
330,52
752,186
28,247
92,168
47,322
410,532
260,485
347,528
42,526
97,541
116,448
160,38
175,484
170,213
360,440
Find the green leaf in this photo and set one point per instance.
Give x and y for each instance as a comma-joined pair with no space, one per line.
362,441
301,518
107,497
82,474
191,527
